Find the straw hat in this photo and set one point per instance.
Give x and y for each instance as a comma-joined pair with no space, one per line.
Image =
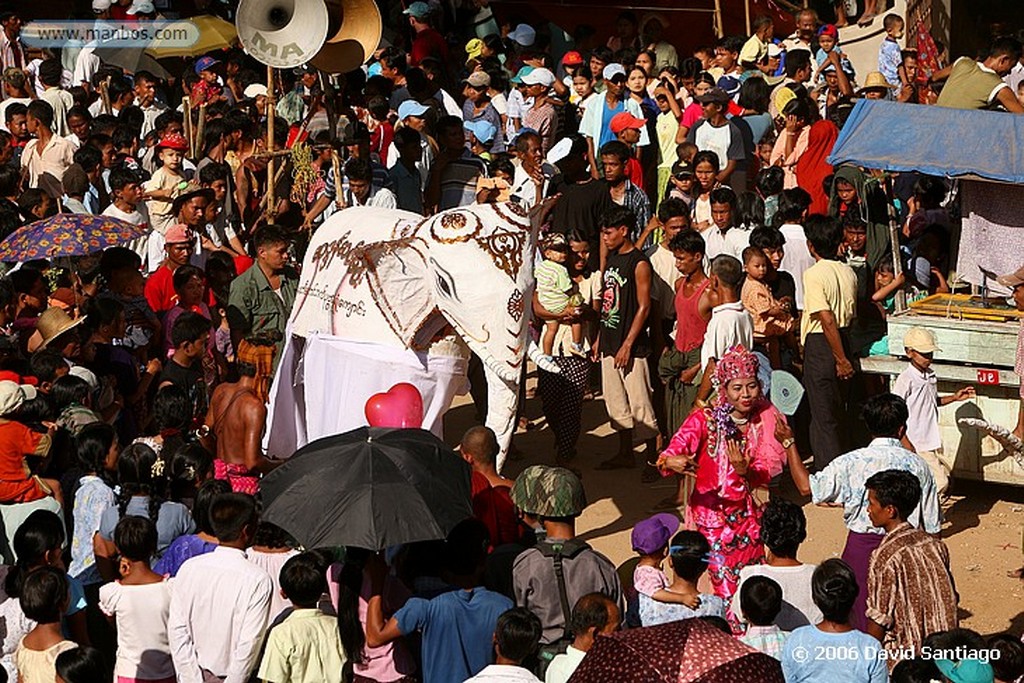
54,322
875,81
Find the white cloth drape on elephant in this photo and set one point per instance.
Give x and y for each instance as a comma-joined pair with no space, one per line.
334,378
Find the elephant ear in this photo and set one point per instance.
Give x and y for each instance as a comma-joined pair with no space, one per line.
399,280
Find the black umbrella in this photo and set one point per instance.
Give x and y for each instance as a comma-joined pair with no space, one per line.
370,488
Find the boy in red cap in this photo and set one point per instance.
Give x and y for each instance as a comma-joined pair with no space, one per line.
626,128
161,190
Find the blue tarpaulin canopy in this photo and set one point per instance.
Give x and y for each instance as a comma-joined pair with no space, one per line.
933,140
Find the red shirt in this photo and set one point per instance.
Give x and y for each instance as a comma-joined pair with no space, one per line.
493,506
160,290
428,43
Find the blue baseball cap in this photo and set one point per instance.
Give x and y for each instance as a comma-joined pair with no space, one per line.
518,78
966,670
205,63
411,108
418,10
483,131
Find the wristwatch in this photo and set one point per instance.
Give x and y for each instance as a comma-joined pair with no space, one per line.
786,443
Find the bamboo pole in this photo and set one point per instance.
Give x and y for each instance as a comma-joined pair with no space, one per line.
746,11
200,129
719,25
336,166
105,96
186,103
271,177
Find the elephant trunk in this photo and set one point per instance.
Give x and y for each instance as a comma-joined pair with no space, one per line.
502,403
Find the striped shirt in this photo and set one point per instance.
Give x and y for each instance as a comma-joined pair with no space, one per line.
910,588
458,181
767,639
636,201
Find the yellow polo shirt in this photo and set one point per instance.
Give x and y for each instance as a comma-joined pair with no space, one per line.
304,648
828,286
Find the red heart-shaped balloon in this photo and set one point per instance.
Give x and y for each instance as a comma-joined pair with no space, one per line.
401,407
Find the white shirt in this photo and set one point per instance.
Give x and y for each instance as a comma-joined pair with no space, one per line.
86,66
730,325
525,188
54,158
798,608
272,563
141,615
563,666
451,107
503,672
220,604
663,290
140,216
715,139
796,258
732,242
920,391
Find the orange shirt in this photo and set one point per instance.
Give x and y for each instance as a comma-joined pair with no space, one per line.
16,482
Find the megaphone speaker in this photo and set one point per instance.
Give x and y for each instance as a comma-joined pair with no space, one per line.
354,30
282,33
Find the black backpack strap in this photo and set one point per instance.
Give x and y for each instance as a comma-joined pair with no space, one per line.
562,595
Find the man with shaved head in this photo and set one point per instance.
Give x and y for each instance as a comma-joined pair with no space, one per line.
492,504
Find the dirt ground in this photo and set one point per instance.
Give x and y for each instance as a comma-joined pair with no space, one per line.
983,522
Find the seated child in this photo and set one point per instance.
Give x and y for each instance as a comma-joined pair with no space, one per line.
44,599
689,553
17,483
139,602
772,320
557,292
306,644
828,41
761,602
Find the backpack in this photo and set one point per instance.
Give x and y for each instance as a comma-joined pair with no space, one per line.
558,551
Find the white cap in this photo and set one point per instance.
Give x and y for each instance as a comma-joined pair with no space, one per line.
524,35
612,70
774,50
12,395
540,76
254,90
142,7
101,5
82,372
559,150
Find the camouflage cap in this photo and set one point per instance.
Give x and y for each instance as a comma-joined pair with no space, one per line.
549,492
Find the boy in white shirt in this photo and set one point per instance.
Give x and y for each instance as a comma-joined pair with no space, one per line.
730,325
918,386
127,205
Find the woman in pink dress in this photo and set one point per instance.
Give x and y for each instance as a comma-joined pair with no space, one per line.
731,450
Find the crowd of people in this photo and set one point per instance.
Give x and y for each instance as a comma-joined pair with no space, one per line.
697,239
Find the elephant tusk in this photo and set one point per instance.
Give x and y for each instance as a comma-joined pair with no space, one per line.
506,374
541,359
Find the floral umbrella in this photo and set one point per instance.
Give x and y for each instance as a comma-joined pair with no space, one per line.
687,651
67,234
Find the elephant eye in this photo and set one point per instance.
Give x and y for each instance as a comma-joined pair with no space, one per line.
444,281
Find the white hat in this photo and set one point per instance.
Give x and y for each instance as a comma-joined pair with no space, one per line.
559,150
774,51
254,90
141,7
612,70
86,374
524,35
540,76
12,395
101,5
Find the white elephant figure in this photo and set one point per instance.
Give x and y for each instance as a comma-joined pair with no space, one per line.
386,296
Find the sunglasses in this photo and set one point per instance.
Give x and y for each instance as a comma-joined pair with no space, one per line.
618,79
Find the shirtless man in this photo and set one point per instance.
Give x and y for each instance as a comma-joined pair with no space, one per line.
235,420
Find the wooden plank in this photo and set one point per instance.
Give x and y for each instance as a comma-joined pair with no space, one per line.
985,344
